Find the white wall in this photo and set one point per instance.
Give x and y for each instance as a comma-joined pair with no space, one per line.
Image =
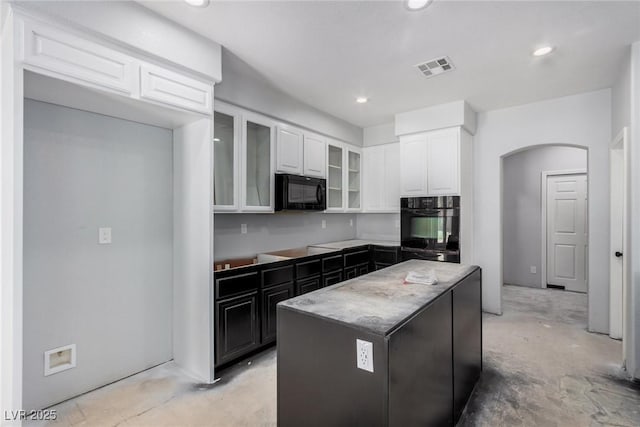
245,87
633,347
621,98
581,120
380,134
272,232
522,216
84,171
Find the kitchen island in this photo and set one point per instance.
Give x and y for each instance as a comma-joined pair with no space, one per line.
419,348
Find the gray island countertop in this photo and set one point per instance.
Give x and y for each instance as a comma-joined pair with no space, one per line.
379,301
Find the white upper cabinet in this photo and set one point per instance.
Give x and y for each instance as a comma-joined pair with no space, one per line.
257,172
392,177
244,148
290,149
227,133
314,156
381,179
443,164
81,60
77,59
413,165
353,178
430,163
168,87
335,176
300,152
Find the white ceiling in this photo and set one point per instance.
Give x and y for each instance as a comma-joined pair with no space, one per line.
327,53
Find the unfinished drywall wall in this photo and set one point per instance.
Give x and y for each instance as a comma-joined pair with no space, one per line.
272,232
522,215
113,301
379,226
582,120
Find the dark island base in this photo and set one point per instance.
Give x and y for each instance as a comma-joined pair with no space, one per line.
424,370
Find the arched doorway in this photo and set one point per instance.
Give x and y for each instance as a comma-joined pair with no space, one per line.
545,221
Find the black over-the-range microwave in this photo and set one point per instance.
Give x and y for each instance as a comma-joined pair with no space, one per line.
300,193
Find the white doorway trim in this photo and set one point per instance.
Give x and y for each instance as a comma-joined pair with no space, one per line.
543,216
619,287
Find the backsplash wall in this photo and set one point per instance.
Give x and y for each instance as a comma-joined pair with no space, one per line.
379,226
272,232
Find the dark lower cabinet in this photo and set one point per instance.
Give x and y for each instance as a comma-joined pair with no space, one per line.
246,298
332,278
270,298
236,327
467,340
308,285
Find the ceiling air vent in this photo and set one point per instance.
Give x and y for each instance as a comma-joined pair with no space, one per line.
435,66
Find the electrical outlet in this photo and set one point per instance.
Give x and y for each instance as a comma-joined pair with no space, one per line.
243,228
533,269
104,235
364,355
324,223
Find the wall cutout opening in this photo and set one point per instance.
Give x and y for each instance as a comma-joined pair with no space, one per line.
59,359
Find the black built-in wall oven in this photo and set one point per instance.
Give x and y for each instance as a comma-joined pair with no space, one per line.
430,228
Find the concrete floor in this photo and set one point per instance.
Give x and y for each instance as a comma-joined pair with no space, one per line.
541,368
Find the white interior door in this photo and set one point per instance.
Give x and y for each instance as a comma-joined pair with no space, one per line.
619,280
567,227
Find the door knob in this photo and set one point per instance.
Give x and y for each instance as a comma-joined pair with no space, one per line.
618,254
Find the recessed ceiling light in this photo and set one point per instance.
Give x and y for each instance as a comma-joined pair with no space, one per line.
197,3
542,51
417,4
362,100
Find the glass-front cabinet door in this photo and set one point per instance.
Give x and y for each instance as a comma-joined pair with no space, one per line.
226,142
335,179
354,179
258,164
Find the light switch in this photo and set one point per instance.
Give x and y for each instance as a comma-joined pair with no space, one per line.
324,223
104,235
351,223
243,228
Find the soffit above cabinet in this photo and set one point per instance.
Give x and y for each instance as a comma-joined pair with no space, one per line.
457,113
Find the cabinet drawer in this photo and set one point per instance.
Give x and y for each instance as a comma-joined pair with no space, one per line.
236,327
308,285
355,258
350,273
167,87
308,268
270,299
72,56
332,278
277,275
236,285
332,263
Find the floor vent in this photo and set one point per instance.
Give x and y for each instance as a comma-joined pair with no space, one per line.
435,66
